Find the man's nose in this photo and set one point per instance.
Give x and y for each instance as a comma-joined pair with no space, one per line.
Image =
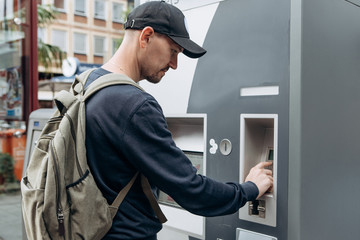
173,61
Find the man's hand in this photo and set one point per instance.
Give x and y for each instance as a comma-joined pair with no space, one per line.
261,177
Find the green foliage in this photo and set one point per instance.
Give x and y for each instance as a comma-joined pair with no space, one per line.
46,14
7,167
47,53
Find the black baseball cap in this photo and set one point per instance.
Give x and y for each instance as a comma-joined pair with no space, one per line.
166,19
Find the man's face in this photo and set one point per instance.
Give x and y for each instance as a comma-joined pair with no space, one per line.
161,55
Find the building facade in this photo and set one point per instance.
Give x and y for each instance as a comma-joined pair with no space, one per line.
90,30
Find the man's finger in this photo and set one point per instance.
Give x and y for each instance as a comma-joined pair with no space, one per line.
264,164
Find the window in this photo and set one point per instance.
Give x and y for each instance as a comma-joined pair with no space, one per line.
115,45
60,5
59,39
80,7
41,34
80,45
118,9
99,9
99,46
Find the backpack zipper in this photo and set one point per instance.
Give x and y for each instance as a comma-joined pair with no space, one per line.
73,134
60,215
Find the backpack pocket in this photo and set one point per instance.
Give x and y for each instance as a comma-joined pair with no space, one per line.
37,188
33,202
90,212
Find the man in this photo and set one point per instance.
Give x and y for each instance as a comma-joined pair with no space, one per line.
127,132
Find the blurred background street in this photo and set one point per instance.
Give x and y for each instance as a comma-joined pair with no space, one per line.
10,216
63,38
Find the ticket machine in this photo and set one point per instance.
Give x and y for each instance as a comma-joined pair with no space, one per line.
241,86
277,84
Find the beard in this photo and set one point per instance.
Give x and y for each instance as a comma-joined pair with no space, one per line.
156,77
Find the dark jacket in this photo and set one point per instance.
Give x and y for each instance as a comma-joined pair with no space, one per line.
126,132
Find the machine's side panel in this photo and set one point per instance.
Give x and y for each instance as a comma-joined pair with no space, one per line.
330,118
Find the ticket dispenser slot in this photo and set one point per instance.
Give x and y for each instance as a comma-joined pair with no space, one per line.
258,142
189,134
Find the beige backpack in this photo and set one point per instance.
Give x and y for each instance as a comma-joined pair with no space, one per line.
60,199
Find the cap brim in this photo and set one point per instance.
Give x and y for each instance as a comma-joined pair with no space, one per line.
191,49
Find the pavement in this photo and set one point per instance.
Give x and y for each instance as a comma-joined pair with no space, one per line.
10,216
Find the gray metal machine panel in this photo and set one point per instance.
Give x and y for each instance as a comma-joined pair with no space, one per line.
330,119
247,47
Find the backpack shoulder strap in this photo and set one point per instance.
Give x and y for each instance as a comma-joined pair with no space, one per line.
115,79
150,196
148,193
108,80
122,194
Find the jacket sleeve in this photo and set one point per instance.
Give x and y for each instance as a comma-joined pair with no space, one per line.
149,144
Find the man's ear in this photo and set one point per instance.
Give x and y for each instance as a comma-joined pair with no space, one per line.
145,36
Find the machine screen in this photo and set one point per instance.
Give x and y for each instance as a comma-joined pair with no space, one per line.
197,160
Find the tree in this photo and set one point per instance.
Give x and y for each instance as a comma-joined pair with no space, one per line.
48,54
